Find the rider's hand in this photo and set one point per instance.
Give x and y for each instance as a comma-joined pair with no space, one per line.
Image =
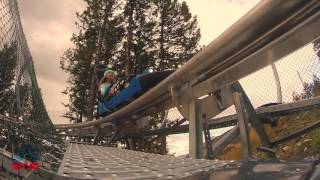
112,92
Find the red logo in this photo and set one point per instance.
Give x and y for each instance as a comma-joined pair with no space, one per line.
25,165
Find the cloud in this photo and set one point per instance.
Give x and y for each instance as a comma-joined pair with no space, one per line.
53,98
56,117
50,10
215,16
242,2
48,26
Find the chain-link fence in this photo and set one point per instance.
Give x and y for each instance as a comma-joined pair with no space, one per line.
24,119
291,79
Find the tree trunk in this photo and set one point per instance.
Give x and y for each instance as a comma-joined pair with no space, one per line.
161,40
129,39
96,60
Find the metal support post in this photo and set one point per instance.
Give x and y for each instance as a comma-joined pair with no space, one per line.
131,143
79,136
195,130
98,136
207,137
277,81
254,119
243,125
113,138
102,132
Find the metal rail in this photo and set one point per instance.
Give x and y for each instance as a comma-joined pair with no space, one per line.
226,121
296,134
258,39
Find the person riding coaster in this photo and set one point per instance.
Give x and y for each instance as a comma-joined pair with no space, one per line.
108,98
106,85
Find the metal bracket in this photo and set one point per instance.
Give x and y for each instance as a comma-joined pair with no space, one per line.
212,104
175,91
195,109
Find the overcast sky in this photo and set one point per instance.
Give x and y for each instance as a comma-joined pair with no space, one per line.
49,24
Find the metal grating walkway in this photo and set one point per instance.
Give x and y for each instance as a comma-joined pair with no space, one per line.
97,162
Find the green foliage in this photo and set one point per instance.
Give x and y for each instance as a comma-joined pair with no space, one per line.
140,42
77,61
311,89
305,146
179,34
308,144
8,63
161,34
139,34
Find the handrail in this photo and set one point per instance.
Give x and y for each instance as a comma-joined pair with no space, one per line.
268,26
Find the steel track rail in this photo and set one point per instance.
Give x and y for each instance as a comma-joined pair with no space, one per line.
273,111
268,32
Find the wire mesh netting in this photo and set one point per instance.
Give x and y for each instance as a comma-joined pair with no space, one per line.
292,78
24,119
26,122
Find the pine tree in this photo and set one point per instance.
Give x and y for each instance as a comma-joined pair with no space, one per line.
179,34
144,48
310,90
176,40
140,36
78,61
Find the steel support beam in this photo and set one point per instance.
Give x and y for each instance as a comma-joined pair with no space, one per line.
262,112
225,139
243,125
113,138
98,136
207,138
131,143
195,130
101,133
277,82
254,118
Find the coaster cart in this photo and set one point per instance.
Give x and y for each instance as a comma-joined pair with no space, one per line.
138,85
